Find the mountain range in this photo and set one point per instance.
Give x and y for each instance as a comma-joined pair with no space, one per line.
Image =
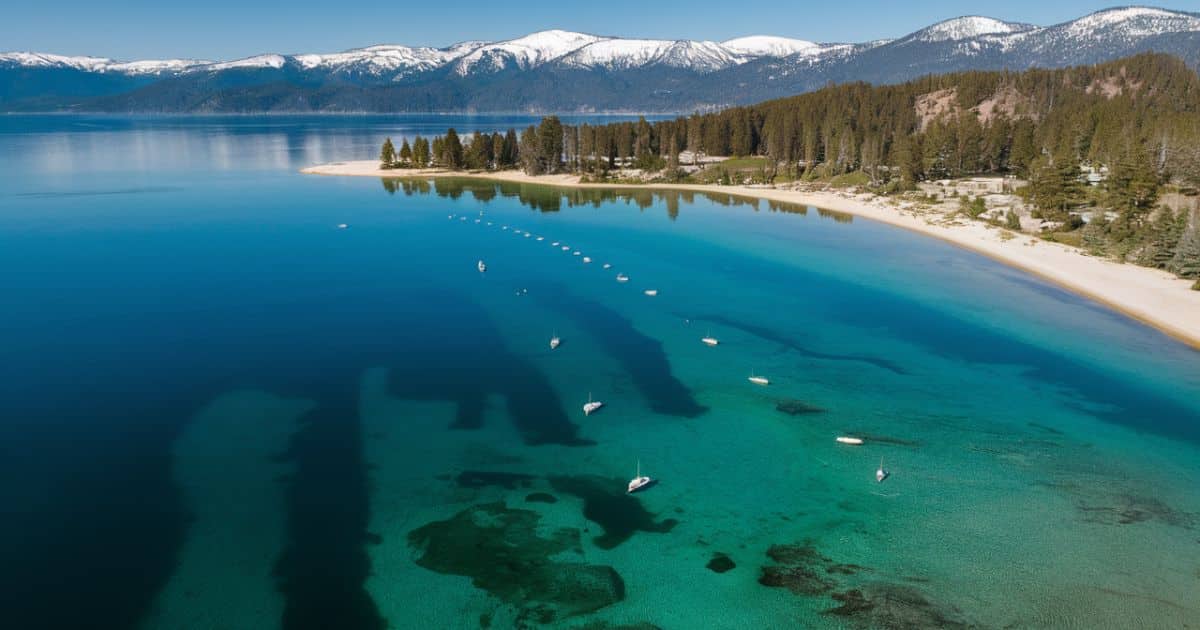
563,71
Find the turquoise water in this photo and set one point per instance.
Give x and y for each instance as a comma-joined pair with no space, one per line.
219,410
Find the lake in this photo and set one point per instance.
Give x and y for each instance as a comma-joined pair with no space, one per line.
219,409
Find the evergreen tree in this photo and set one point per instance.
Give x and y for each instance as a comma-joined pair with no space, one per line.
406,154
1186,261
421,157
530,152
550,144
437,152
452,150
387,155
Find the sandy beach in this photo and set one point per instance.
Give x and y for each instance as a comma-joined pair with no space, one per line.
1152,296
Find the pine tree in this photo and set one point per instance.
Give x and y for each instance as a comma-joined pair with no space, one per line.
387,155
1186,262
420,152
452,150
550,144
406,154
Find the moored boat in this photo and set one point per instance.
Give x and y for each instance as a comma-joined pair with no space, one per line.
591,405
853,441
639,481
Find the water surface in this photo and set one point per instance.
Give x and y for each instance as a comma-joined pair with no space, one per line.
219,410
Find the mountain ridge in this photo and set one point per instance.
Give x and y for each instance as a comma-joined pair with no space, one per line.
559,70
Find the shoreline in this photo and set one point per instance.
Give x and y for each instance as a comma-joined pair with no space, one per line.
1151,296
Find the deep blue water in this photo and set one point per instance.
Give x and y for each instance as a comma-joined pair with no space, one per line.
217,409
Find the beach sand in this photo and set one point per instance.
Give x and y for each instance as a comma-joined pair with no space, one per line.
1154,297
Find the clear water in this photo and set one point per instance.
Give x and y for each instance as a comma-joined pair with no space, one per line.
218,410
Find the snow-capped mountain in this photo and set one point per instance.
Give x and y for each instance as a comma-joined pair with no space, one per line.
565,70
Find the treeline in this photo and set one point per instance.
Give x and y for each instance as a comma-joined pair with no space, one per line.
1135,121
481,152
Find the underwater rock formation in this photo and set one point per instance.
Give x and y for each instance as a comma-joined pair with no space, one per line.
500,550
720,563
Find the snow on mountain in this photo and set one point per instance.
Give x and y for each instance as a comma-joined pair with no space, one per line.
968,36
966,27
98,64
380,59
1132,22
619,54
524,52
257,61
770,46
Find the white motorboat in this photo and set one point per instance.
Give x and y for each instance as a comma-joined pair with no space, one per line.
622,277
881,474
639,481
541,238
504,227
591,405
651,292
342,226
527,235
607,266
554,244
477,220
853,441
709,340
565,248
758,380
489,224
576,253
482,267
586,260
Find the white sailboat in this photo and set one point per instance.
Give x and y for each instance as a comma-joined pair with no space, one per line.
881,474
482,267
639,481
555,341
591,405
758,380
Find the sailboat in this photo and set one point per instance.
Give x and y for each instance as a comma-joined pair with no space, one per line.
482,267
639,482
554,341
881,474
709,340
758,380
591,405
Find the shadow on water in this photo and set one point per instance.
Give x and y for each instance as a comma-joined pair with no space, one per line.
79,548
642,357
763,332
617,512
455,354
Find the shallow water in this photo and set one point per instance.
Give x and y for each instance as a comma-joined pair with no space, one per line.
218,410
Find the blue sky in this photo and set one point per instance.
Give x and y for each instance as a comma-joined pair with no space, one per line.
225,29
